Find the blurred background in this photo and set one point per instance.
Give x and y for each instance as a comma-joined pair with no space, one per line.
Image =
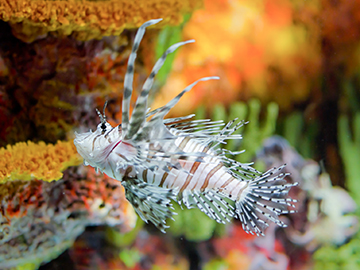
289,67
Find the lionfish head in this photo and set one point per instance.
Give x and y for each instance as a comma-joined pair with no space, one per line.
93,145
90,144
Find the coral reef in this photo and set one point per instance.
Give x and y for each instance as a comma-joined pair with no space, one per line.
28,161
49,87
52,85
88,19
59,61
39,219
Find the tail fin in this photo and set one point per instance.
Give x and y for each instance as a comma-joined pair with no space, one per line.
265,198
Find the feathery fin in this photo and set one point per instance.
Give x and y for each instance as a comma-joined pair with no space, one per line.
265,198
129,76
138,116
151,203
212,203
156,146
162,111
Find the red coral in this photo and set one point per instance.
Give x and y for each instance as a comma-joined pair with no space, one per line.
42,216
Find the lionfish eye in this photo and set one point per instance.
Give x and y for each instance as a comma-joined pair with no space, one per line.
102,118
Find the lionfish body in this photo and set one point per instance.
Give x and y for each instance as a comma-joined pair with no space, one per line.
158,160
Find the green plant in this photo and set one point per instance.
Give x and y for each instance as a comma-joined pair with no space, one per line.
349,144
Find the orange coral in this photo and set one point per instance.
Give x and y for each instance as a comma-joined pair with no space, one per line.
254,47
88,19
26,161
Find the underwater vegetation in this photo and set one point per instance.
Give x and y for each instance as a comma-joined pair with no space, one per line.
349,143
339,257
256,129
345,256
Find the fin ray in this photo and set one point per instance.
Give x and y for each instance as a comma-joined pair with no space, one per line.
138,116
255,206
129,76
151,203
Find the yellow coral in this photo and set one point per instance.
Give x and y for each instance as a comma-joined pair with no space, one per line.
27,161
88,19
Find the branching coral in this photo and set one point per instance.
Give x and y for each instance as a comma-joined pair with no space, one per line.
38,219
27,161
88,19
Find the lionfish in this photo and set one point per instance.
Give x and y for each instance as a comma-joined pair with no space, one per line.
159,160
